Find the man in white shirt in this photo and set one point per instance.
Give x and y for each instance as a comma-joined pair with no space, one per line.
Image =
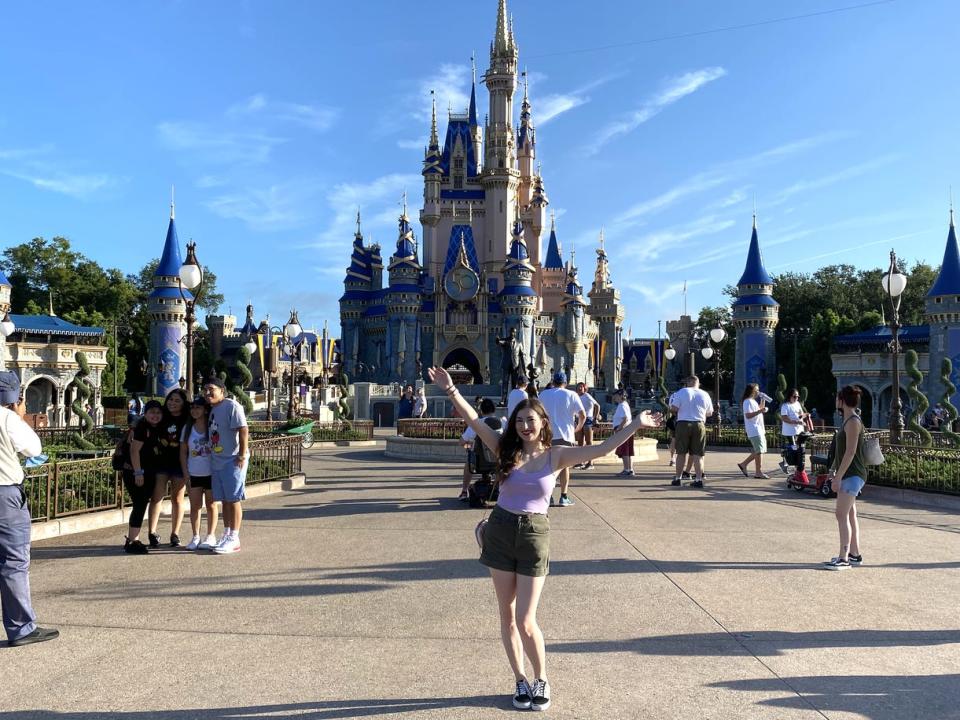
592,410
567,416
793,422
693,406
486,408
517,395
16,439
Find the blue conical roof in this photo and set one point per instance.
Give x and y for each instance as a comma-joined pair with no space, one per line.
518,248
473,105
3,280
170,261
405,245
948,281
755,273
554,261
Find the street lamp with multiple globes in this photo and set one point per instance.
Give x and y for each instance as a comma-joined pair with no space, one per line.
291,331
713,350
894,283
191,278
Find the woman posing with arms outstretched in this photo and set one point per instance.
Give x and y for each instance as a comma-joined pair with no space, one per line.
516,542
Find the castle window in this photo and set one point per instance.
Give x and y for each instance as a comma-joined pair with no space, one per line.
458,182
458,163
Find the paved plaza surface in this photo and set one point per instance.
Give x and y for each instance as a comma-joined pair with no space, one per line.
361,596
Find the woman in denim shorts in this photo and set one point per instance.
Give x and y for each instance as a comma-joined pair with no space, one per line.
516,540
850,467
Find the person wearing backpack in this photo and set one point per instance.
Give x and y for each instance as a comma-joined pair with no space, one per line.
469,439
850,466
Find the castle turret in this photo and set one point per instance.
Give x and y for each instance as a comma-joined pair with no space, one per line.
168,315
403,301
607,311
500,176
755,317
432,177
518,300
943,315
553,274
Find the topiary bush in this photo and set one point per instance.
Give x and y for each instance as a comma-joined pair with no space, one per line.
946,370
917,399
82,392
781,394
239,389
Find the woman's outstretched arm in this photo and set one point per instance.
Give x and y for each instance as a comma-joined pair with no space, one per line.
441,378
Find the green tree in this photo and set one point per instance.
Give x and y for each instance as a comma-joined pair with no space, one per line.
710,318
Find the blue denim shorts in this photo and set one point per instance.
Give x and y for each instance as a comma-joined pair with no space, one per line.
228,482
852,485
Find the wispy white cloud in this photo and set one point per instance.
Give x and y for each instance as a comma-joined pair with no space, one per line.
803,186
78,186
413,144
674,89
451,87
22,153
674,241
379,202
281,206
313,117
735,197
212,145
661,294
550,106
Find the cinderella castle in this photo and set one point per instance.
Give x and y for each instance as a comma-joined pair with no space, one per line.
480,296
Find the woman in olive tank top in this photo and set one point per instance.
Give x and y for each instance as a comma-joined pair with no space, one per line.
848,475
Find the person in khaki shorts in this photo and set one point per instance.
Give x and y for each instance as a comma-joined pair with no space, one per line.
692,406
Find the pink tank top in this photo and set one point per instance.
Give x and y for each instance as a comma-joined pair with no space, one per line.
528,492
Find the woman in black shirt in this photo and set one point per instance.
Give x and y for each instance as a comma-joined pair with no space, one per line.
175,416
141,478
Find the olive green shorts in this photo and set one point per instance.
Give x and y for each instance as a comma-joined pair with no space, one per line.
517,543
691,438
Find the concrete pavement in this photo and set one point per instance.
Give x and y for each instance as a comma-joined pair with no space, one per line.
360,596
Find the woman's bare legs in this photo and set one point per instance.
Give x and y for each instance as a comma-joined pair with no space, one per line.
213,512
845,503
196,500
854,529
527,600
505,583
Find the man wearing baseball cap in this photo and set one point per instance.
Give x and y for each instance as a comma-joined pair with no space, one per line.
16,439
567,416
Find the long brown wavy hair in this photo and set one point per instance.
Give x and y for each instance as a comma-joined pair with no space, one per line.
511,444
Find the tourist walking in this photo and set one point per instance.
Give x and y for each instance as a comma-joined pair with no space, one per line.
145,461
692,406
195,454
591,409
229,461
566,418
849,466
517,394
753,411
794,421
622,417
169,472
17,439
516,539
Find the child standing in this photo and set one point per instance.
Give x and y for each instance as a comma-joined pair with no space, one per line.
622,417
195,461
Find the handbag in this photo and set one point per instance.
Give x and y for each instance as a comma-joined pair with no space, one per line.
872,454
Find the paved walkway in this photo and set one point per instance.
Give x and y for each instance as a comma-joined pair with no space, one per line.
360,596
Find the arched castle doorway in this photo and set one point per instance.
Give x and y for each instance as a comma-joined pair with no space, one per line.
462,356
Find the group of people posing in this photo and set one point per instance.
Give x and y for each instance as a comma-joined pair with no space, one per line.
198,446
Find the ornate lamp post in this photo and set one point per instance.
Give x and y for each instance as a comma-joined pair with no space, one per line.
6,329
191,278
712,350
894,283
291,331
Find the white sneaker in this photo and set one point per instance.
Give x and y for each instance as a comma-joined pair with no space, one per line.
230,545
194,543
210,543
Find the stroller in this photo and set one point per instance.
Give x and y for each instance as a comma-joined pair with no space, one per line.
795,454
483,463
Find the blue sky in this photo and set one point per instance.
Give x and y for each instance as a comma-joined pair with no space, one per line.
276,119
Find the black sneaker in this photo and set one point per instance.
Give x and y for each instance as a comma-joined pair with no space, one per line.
675,482
521,698
154,539
684,475
837,564
134,547
697,484
37,636
174,540
855,559
540,695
